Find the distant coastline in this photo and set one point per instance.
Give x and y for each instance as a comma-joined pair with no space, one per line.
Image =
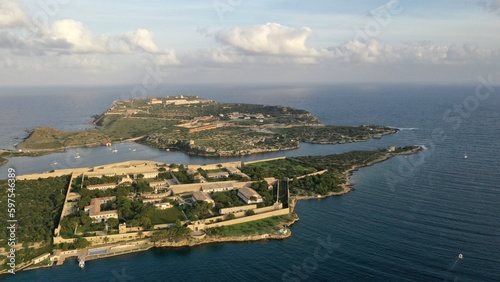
200,127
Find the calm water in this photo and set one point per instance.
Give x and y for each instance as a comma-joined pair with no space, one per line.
408,219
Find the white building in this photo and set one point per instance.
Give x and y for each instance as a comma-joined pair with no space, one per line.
216,187
203,196
219,174
104,186
94,209
249,195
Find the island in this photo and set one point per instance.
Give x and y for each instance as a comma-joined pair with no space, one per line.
200,126
97,212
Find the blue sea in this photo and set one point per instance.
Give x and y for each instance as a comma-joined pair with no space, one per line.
426,217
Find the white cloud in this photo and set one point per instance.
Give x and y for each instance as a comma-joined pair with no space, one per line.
11,14
269,39
165,58
373,52
78,36
140,40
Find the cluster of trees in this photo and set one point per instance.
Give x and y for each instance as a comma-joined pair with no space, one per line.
261,187
197,210
333,133
318,184
176,232
79,243
342,162
227,199
38,205
184,177
277,169
135,213
262,226
119,191
100,180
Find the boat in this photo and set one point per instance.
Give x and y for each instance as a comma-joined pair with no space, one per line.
81,263
77,155
115,151
460,256
465,154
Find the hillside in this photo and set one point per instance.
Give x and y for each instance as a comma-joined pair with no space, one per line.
203,127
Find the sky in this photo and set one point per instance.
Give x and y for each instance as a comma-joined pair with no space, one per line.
153,42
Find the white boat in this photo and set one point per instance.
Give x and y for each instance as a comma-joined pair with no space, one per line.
460,256
81,263
115,151
77,155
465,154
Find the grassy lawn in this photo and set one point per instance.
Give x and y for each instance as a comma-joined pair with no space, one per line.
166,216
278,168
134,127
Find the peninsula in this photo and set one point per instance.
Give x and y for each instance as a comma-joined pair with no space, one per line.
201,127
97,212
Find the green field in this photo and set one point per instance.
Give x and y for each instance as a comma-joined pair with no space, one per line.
166,216
134,127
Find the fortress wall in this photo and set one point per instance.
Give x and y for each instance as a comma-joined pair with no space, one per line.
268,209
97,240
185,188
248,218
60,172
312,174
264,160
215,166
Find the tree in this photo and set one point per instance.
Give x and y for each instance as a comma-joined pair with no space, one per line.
112,222
84,218
84,201
230,216
250,212
81,243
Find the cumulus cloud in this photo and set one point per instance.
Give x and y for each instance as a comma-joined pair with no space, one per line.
373,52
75,37
165,58
140,40
11,14
275,44
268,39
